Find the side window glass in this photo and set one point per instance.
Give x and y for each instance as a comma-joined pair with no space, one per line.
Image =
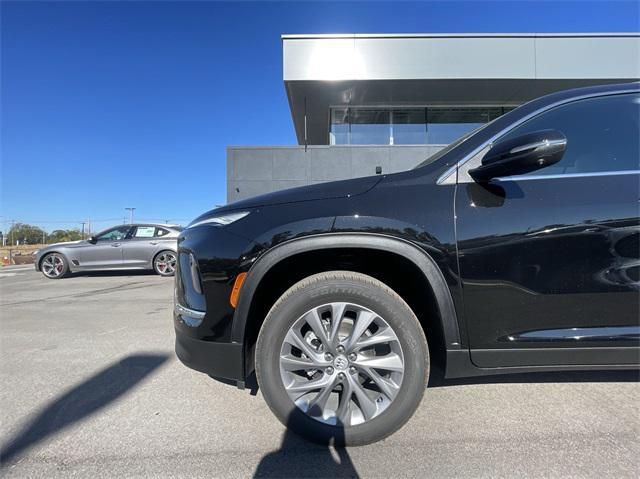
116,234
161,232
602,134
144,232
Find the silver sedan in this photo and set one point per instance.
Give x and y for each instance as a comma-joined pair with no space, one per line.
138,246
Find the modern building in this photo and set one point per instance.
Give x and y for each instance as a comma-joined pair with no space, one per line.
371,104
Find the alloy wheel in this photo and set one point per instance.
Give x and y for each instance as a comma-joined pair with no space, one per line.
53,265
341,364
166,263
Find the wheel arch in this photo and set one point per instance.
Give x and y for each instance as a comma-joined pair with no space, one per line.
361,241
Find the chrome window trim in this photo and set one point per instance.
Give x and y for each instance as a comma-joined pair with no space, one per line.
567,175
451,170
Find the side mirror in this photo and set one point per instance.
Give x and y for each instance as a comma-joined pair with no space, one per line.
93,239
521,155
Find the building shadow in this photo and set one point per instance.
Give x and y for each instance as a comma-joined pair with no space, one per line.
82,401
298,458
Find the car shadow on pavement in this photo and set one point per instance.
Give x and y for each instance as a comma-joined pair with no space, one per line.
621,376
115,272
82,401
297,457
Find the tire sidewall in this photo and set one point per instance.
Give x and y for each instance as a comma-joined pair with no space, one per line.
370,295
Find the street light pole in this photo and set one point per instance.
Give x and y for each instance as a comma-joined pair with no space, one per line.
130,214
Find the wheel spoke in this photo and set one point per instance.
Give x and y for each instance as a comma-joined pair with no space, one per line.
386,386
337,314
367,405
294,338
313,319
301,387
380,337
318,404
343,413
291,363
389,362
362,322
171,263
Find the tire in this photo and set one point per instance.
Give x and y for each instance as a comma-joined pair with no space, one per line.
164,263
54,266
363,297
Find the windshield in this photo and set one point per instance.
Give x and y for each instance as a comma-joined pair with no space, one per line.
436,156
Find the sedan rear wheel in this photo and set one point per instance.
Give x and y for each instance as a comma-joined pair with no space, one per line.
165,263
54,266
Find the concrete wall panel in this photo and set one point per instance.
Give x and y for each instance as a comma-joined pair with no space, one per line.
253,171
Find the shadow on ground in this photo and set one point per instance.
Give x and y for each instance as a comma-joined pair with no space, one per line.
82,401
437,378
114,272
297,457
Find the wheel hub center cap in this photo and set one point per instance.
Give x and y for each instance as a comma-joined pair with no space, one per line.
341,363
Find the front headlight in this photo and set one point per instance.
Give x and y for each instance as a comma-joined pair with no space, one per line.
222,220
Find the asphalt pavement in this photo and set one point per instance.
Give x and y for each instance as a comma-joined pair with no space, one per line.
90,386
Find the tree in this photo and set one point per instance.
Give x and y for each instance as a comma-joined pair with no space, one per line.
25,234
59,236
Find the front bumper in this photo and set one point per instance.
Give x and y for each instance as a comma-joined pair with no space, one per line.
220,360
209,260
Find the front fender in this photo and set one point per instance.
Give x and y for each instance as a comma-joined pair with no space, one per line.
420,258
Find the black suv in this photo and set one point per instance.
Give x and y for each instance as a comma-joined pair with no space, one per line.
514,249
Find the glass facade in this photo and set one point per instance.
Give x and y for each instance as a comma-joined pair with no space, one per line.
406,126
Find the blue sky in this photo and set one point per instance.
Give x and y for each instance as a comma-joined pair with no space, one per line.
116,104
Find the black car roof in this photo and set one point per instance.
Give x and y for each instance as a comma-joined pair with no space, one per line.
583,91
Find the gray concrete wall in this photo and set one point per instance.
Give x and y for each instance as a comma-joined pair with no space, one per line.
256,170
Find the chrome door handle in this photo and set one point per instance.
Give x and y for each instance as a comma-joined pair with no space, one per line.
153,242
115,245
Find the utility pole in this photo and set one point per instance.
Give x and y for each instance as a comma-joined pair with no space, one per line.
130,214
83,223
43,236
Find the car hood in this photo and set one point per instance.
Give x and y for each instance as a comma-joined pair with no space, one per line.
65,244
322,191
